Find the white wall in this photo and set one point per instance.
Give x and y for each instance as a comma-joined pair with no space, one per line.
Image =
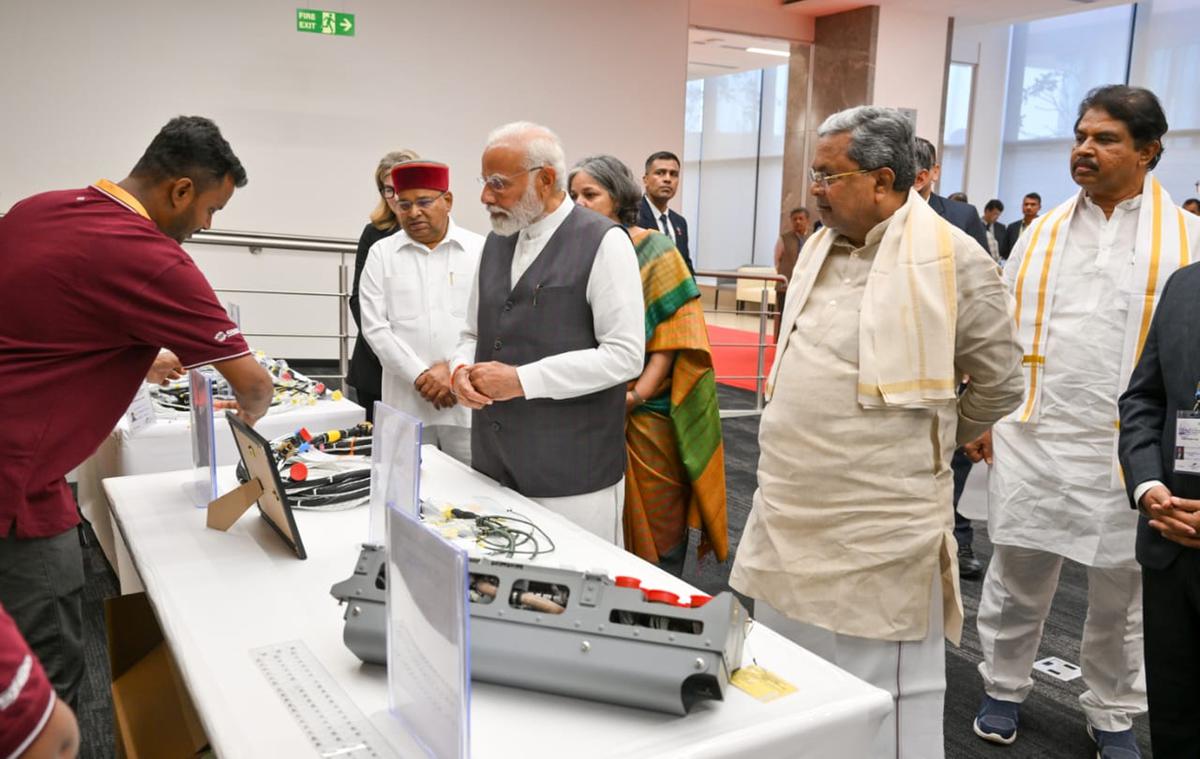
310,115
910,65
84,87
987,47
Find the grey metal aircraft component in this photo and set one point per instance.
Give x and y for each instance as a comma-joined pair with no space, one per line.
365,596
573,633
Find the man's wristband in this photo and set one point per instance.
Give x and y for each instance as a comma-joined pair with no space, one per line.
639,400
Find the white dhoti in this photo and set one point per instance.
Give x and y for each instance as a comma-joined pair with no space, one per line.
1016,598
450,440
599,512
914,672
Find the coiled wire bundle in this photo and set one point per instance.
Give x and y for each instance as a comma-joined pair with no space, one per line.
291,388
326,472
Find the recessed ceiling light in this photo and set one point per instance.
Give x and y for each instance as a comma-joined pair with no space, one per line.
765,51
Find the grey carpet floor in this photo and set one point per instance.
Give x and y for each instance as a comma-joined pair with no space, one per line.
1052,725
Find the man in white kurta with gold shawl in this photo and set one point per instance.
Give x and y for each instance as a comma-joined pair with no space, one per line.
849,549
1085,278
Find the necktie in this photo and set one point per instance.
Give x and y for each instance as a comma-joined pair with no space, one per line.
666,228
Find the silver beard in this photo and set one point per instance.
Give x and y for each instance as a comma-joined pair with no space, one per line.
526,211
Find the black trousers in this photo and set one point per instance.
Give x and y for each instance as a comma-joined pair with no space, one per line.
367,401
1171,619
961,466
41,587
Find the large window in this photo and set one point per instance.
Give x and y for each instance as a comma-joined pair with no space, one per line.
733,166
959,84
1053,63
1166,60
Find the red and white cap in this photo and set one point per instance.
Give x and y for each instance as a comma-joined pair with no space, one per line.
421,175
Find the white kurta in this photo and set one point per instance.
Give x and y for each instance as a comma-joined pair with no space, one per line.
1050,487
852,520
414,304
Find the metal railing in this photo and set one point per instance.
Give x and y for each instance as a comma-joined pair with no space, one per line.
258,241
764,313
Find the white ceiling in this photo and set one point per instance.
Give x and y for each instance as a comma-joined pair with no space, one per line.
964,11
713,53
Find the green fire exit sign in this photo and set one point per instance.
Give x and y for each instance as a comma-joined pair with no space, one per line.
325,22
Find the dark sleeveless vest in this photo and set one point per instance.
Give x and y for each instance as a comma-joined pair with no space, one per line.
546,448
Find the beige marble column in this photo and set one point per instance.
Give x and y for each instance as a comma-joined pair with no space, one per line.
833,73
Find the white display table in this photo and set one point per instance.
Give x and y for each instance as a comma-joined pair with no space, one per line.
166,446
219,595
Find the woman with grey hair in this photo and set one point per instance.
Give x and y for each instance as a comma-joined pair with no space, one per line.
613,179
675,467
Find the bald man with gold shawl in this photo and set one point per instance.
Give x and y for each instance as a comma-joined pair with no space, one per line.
1086,278
849,549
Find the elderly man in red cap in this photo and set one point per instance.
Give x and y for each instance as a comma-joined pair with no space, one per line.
413,293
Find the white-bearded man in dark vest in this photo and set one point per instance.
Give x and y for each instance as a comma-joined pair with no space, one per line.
555,328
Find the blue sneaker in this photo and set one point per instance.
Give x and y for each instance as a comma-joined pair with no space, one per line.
997,721
1120,744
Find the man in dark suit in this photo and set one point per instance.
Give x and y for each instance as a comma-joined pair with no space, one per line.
965,217
1163,384
996,232
1031,206
661,181
962,215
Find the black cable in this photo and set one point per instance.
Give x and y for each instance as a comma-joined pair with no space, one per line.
508,535
340,488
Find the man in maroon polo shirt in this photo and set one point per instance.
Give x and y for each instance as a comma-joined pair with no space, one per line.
93,282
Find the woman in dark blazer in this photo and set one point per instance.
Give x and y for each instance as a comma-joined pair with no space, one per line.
366,375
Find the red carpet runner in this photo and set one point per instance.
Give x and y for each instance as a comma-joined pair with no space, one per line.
735,360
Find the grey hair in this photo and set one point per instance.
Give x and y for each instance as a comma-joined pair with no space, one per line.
616,178
879,138
925,155
541,144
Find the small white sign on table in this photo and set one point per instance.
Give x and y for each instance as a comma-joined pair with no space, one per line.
141,412
395,467
203,487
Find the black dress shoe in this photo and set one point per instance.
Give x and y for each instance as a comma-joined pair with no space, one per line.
969,567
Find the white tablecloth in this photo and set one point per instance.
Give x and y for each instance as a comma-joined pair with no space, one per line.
219,595
166,446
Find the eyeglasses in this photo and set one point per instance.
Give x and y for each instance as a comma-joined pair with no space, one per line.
407,205
500,182
823,180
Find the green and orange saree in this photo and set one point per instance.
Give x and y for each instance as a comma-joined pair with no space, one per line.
675,473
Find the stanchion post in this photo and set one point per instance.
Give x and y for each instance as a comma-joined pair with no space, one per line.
762,347
343,324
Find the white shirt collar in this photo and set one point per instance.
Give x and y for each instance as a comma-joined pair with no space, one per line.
1128,204
654,209
453,235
